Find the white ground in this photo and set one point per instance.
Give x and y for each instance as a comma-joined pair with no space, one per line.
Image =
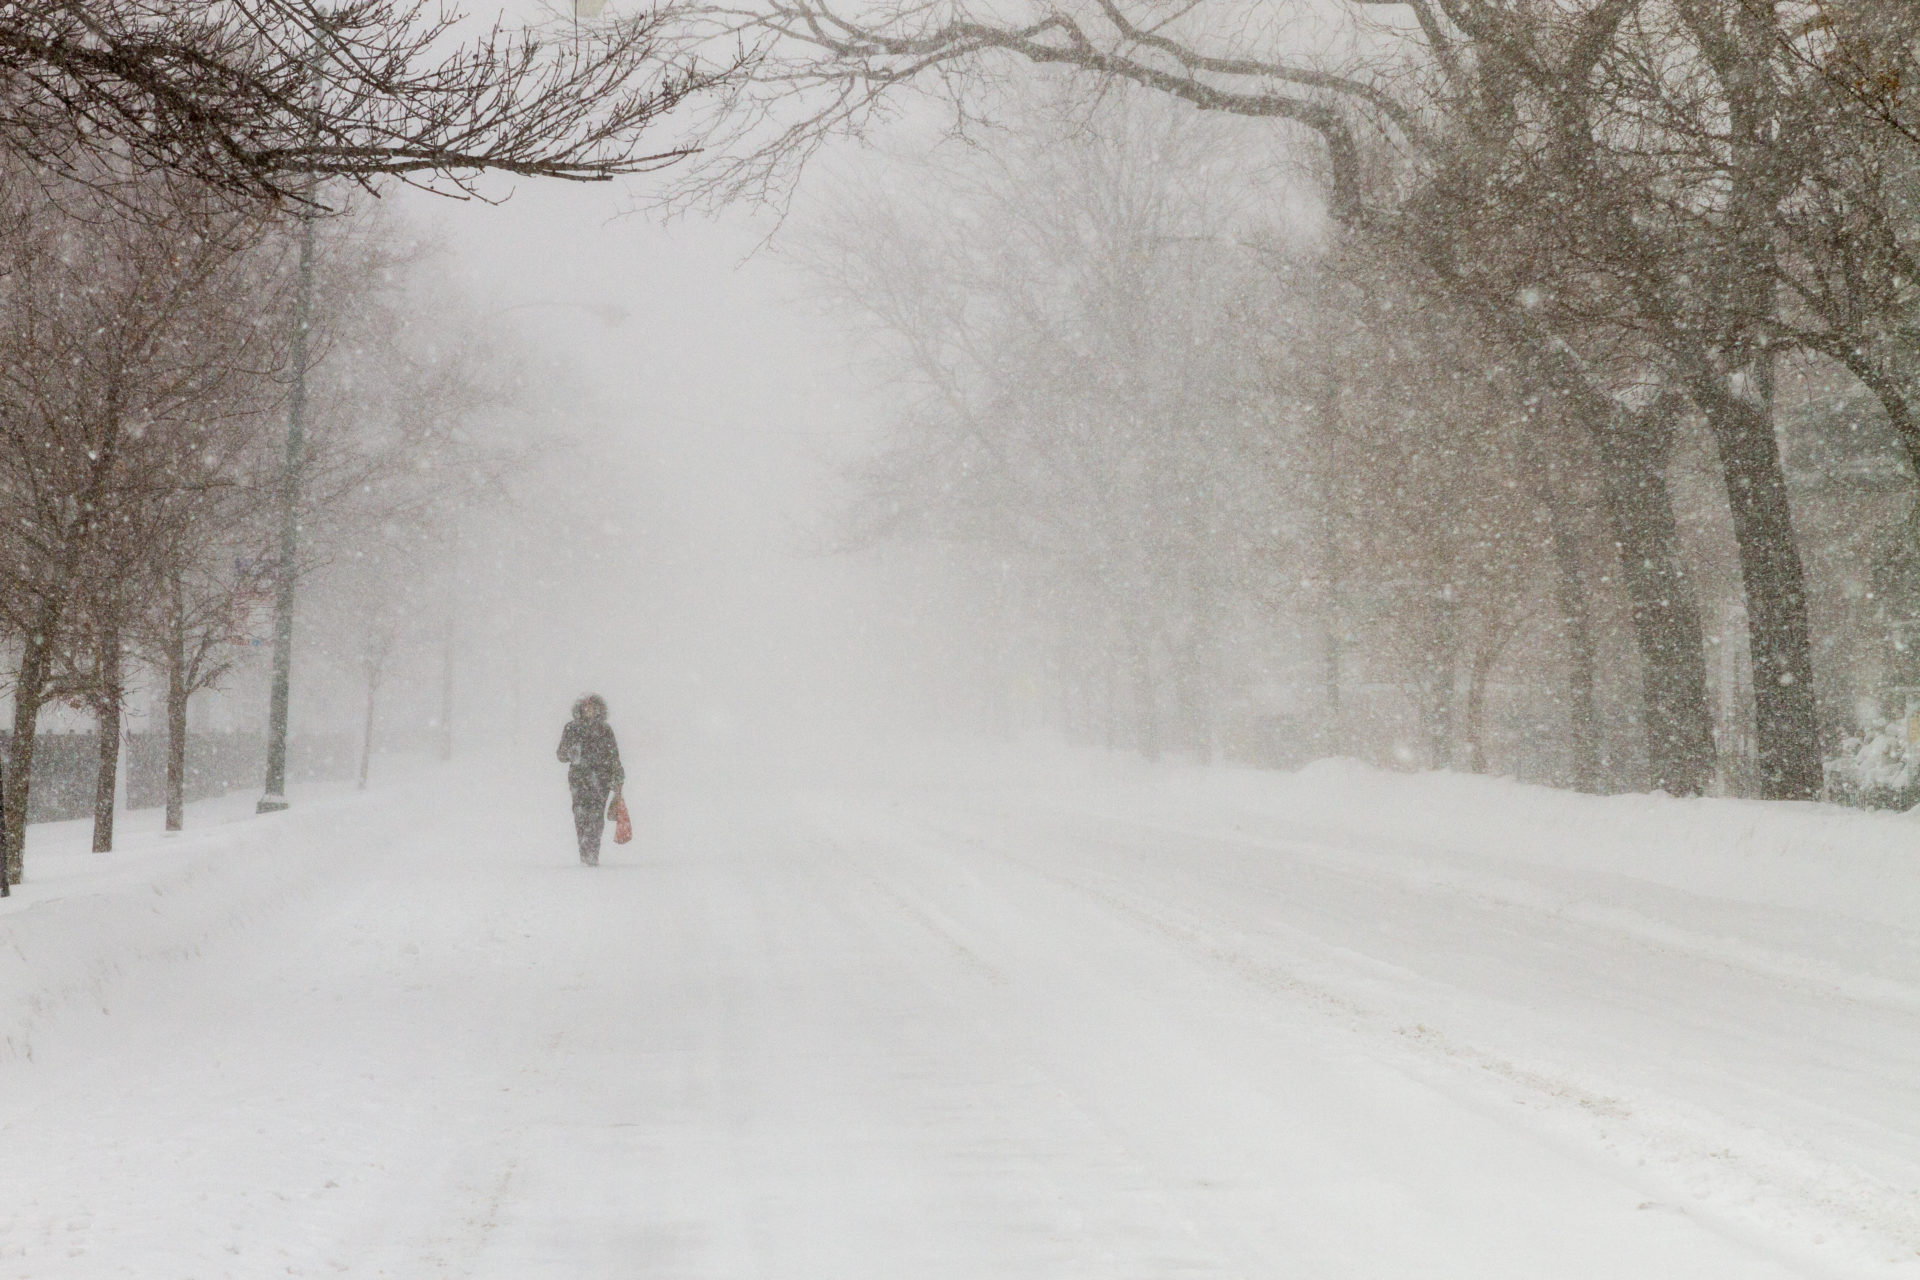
1055,1017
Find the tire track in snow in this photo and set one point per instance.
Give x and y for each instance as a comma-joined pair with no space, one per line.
1739,1178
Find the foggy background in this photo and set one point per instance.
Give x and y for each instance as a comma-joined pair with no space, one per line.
1068,414
691,413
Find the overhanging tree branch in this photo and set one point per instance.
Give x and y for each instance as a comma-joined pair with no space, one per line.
818,74
255,96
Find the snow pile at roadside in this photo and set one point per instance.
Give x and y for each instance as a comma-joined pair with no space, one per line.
1863,864
1803,892
1807,856
81,919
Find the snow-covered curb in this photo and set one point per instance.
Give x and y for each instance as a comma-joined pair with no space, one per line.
83,919
1807,856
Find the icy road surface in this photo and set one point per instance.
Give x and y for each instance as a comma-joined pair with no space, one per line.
1104,1028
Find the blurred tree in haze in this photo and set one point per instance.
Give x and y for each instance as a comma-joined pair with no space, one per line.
1061,310
1640,208
143,368
148,152
1179,438
126,343
255,97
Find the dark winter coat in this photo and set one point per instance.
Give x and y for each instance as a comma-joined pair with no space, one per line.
592,756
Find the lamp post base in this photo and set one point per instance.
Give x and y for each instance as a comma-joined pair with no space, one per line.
270,804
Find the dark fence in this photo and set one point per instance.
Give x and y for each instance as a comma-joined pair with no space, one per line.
65,764
64,768
218,763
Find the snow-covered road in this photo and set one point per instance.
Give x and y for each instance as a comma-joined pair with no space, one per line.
1102,1028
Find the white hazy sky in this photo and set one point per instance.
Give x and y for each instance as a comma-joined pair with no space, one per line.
724,403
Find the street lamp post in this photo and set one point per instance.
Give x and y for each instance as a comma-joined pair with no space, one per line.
275,798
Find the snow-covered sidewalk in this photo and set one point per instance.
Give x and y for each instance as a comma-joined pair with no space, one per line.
81,919
1053,1017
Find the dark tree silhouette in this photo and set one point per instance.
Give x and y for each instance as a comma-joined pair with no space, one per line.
255,97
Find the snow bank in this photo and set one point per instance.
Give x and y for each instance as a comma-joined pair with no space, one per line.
1859,864
1805,893
82,919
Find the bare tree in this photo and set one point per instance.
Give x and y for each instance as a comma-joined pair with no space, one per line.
255,97
418,423
95,676
820,73
1060,311
107,368
1423,472
382,634
208,543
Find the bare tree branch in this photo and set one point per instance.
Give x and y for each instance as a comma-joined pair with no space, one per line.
256,96
817,74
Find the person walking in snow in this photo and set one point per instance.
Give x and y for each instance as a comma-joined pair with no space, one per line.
592,757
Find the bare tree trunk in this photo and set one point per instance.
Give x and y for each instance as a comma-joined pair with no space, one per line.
29,692
1786,726
1632,449
1440,678
1332,564
366,735
177,694
1198,671
1476,729
1576,624
1666,620
106,776
1333,734
1583,719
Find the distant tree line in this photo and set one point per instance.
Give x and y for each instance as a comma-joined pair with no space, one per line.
1561,241
144,370
158,161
